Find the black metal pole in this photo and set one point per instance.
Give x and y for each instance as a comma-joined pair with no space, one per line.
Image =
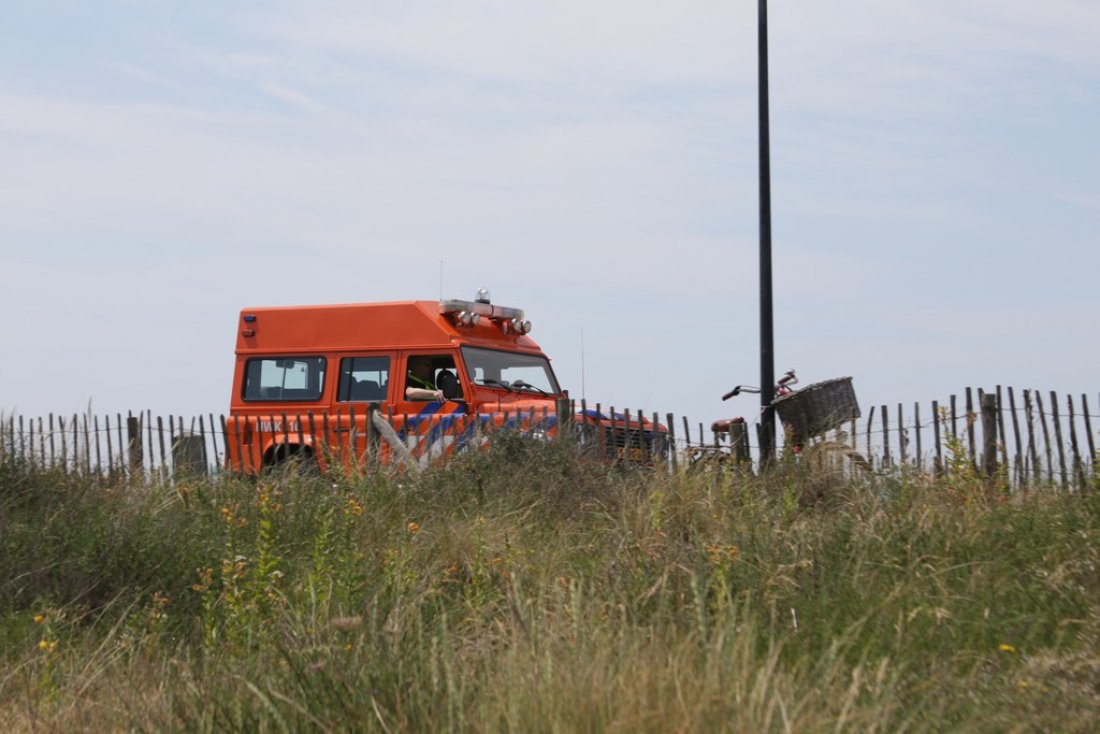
767,358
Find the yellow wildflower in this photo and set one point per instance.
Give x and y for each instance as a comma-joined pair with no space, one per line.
353,508
39,618
718,554
414,528
1005,647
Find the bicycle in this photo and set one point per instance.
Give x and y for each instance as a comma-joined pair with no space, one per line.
806,415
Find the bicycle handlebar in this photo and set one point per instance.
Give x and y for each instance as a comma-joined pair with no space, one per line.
738,390
788,378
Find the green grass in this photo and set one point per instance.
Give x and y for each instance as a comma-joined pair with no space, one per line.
522,591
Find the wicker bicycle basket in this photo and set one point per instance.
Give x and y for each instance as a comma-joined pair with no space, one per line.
818,408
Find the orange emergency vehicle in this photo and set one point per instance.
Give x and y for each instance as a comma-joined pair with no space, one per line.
403,381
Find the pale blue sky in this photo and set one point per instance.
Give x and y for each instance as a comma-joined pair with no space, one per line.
936,195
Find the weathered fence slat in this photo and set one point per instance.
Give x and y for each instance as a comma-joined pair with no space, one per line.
1088,431
971,419
133,435
287,422
1018,460
98,463
954,418
259,439
1078,470
920,448
1032,448
886,461
1056,419
988,404
1002,437
870,423
903,453
22,452
937,465
160,439
1046,436
110,448
64,442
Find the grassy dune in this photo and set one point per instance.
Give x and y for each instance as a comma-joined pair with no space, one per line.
520,591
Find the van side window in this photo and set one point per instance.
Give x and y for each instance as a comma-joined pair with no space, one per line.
432,377
284,379
363,378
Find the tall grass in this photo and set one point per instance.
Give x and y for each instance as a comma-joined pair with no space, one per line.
522,591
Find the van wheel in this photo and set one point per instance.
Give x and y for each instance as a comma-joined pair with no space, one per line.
292,460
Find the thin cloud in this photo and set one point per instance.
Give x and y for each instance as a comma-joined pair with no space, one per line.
293,97
1085,201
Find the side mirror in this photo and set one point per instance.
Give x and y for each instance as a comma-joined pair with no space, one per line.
449,384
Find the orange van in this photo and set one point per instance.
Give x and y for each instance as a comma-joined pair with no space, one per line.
408,381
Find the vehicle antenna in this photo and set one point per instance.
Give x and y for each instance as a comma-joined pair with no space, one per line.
441,279
583,396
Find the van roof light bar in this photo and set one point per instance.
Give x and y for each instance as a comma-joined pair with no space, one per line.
469,313
485,310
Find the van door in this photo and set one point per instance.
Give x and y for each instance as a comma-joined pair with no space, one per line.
363,384
430,411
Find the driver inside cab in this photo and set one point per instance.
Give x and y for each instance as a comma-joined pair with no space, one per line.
419,384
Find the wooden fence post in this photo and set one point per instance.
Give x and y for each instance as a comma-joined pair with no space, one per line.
389,434
1046,436
160,438
903,438
1032,448
989,433
1018,461
886,460
739,438
1056,421
670,420
136,455
937,462
565,418
920,447
870,423
1002,436
1084,411
971,418
1078,468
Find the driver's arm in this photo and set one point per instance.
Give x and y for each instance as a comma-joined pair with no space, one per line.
423,393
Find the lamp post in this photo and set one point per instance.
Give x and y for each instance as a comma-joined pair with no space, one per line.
767,357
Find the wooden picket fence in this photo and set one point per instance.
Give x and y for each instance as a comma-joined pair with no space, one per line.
1020,436
1028,438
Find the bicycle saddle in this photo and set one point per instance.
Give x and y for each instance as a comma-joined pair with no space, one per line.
723,425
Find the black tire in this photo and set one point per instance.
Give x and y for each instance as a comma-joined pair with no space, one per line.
291,459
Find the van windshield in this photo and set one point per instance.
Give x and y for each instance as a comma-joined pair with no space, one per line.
511,371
